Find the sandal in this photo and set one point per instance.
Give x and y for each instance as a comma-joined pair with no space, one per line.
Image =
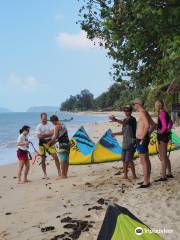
145,186
170,176
161,180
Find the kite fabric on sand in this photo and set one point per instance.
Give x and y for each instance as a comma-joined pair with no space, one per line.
107,149
120,223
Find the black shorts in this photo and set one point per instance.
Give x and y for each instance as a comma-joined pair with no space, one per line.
165,138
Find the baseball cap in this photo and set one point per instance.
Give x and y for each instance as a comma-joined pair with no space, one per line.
127,108
138,101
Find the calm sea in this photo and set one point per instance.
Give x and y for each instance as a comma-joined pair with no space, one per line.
10,123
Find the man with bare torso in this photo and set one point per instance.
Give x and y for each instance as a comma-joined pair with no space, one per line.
145,126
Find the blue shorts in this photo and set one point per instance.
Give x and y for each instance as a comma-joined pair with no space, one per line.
128,154
142,145
63,156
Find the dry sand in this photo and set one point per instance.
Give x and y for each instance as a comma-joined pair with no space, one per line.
44,203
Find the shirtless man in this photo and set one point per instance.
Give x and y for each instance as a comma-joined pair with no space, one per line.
145,126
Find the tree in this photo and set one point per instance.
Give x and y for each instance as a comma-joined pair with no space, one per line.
143,37
82,101
86,99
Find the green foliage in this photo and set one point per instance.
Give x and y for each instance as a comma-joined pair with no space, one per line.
81,102
142,36
115,98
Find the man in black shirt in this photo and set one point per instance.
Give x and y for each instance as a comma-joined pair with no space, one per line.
129,139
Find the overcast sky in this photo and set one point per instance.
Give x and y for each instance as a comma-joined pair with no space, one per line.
44,55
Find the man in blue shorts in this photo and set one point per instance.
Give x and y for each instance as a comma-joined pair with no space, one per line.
129,139
145,126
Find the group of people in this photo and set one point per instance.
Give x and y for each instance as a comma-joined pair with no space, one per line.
136,137
48,134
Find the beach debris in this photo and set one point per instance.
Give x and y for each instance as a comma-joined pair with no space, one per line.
14,177
4,176
77,226
87,216
58,237
122,190
66,219
47,184
102,201
95,208
8,213
88,184
86,204
58,216
48,197
46,229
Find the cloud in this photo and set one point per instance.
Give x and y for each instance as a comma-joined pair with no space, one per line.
28,83
59,17
75,41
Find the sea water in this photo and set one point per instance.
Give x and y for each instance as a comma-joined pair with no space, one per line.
10,123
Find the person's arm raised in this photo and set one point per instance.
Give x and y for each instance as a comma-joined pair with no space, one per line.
114,119
117,134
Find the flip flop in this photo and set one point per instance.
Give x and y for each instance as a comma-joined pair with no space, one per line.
140,183
170,176
145,186
27,181
161,180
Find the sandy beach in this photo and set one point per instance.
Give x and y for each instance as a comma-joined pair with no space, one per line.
28,208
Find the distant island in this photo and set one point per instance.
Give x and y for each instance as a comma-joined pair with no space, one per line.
4,110
43,109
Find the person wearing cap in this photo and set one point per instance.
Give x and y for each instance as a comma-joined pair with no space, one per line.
145,126
44,132
129,139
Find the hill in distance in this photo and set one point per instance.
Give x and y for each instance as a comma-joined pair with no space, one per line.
43,109
4,110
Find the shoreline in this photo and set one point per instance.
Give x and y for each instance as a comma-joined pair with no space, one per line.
27,208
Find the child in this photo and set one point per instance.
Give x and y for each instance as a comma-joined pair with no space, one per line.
23,154
129,136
